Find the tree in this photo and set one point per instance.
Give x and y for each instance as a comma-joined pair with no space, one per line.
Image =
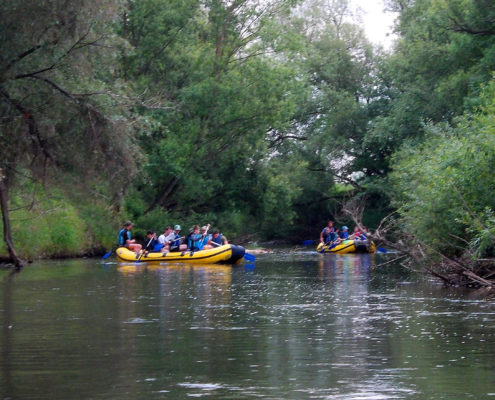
59,101
213,65
444,188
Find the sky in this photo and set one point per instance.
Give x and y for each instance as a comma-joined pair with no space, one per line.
377,23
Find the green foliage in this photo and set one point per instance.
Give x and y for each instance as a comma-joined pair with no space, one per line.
444,55
482,243
53,225
445,187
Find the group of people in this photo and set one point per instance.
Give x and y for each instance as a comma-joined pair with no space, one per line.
332,237
171,240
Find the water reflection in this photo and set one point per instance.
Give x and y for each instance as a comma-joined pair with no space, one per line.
296,326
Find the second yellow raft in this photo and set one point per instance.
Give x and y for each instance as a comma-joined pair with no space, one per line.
348,246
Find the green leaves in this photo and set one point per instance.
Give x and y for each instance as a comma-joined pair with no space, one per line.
445,186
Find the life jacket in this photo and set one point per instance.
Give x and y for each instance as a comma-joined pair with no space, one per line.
175,245
344,234
124,236
205,240
358,235
150,244
157,247
329,234
195,242
218,239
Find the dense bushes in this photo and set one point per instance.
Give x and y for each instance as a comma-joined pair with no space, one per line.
54,225
444,187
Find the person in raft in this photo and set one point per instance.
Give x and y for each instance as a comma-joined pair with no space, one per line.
177,244
358,234
195,239
217,239
328,235
344,233
166,239
206,237
151,242
125,238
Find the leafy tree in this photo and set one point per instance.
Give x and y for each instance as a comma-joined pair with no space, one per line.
61,118
212,64
444,55
444,187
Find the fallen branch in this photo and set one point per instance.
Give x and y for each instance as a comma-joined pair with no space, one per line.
483,282
390,261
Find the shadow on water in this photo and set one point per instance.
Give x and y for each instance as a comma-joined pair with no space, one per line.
292,325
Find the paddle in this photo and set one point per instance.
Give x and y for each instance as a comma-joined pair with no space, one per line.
107,254
382,250
249,257
323,248
144,251
307,242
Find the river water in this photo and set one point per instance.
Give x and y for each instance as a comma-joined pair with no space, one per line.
291,326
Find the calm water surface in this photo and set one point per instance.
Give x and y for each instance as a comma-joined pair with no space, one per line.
298,326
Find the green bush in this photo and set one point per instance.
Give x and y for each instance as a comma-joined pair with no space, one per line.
444,188
54,225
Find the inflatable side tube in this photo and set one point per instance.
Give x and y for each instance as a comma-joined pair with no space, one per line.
237,254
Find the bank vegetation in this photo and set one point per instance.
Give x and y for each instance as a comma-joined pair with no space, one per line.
265,119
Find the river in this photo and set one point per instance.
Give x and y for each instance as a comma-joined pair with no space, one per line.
290,326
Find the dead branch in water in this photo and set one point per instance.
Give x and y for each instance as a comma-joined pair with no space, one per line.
461,271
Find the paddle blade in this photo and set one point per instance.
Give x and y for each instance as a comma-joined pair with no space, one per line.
307,242
249,257
382,250
106,255
249,267
320,248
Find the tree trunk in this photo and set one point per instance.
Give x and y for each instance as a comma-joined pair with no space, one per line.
7,235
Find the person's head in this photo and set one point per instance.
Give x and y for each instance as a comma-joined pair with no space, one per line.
204,228
195,229
128,225
330,224
177,228
215,234
345,228
167,230
356,229
150,234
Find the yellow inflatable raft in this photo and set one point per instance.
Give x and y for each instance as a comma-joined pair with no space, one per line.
349,246
226,254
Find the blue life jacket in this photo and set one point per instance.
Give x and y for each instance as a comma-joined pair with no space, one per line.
124,235
205,241
329,236
218,239
150,244
176,242
344,234
195,242
158,247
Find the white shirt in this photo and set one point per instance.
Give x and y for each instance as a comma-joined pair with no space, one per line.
166,239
